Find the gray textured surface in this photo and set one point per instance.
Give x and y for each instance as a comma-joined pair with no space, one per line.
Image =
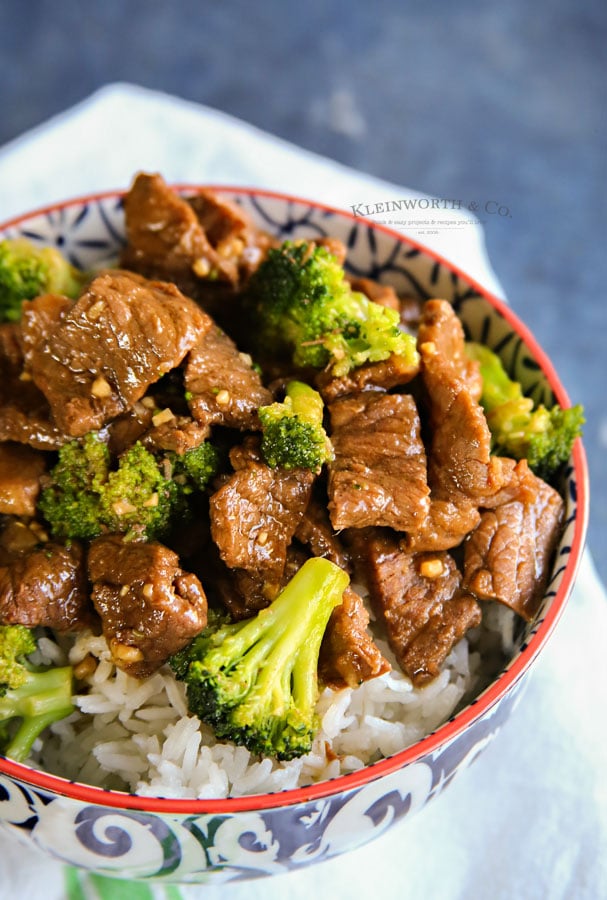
497,101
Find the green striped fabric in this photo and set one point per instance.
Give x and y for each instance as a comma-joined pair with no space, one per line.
80,885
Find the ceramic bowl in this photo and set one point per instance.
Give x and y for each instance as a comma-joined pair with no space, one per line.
218,840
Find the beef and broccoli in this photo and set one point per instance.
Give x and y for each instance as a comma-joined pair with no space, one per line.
209,452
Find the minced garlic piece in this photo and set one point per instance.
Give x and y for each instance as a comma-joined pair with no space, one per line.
201,267
429,347
124,652
85,668
123,507
101,388
164,416
95,310
431,568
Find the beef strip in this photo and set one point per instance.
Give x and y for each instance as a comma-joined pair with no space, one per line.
40,319
244,593
20,471
128,428
25,415
239,247
149,607
418,599
462,473
222,384
47,586
18,538
255,514
11,352
383,294
335,247
348,654
316,532
188,240
410,313
507,558
120,336
178,435
164,237
388,373
378,476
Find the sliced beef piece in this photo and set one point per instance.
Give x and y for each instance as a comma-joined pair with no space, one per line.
20,471
47,586
39,320
128,428
186,240
507,558
348,654
164,237
316,532
177,434
442,330
409,308
120,336
462,473
244,593
378,376
335,247
410,313
239,247
425,655
383,294
418,599
222,384
378,476
149,607
158,426
255,514
18,538
11,352
25,415
446,525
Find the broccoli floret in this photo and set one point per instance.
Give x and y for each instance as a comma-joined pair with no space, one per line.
519,429
255,681
71,503
26,271
303,306
139,497
198,465
292,431
35,697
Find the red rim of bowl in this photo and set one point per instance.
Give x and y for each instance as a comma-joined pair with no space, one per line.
450,729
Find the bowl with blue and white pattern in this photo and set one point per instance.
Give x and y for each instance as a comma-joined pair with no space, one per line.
218,840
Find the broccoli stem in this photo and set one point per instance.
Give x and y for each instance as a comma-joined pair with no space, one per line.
43,698
256,681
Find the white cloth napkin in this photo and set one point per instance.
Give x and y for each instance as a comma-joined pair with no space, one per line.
529,819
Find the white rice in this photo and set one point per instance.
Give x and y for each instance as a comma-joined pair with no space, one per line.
138,735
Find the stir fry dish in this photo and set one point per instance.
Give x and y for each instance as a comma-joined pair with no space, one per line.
224,454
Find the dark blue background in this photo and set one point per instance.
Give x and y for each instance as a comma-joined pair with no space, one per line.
492,101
